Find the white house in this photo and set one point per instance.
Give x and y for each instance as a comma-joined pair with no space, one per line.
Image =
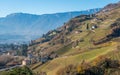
25,62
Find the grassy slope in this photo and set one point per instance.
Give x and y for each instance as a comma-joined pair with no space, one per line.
83,51
52,66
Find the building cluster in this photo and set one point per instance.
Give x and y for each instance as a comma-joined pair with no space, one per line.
31,59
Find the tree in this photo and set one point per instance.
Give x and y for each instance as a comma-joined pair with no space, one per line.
87,26
24,49
18,71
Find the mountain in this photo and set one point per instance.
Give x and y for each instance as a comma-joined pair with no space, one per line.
30,26
82,40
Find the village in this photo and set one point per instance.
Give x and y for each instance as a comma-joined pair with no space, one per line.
17,55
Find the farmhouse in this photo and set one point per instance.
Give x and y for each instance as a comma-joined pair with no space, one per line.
26,62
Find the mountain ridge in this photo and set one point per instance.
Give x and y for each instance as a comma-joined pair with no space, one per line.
30,24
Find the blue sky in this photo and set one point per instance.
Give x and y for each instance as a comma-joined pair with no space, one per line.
49,6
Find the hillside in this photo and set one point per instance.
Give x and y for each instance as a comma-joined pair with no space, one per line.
30,26
83,38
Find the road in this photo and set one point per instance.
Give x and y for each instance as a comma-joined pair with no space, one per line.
5,69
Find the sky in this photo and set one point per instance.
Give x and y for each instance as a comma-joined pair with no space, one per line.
49,6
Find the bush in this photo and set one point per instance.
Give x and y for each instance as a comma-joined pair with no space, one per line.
18,71
68,70
103,66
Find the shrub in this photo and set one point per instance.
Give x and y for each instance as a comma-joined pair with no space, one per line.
102,66
68,70
18,71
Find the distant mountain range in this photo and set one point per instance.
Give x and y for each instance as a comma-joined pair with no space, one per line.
18,27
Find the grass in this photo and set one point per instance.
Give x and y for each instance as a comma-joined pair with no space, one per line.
87,44
63,50
52,66
115,55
